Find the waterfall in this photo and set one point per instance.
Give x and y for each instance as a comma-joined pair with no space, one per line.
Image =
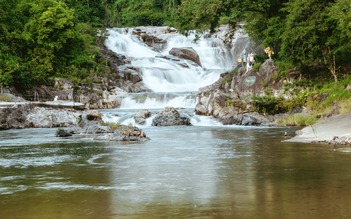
172,80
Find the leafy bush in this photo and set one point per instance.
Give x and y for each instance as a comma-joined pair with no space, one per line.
268,104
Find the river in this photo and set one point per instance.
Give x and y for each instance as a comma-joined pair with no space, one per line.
206,170
182,172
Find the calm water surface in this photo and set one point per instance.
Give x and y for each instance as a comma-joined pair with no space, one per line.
183,172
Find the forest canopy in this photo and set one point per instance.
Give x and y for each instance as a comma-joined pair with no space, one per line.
40,39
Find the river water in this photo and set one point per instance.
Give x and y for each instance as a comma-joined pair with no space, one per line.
202,171
182,172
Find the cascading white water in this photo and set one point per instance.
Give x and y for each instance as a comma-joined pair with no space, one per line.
167,75
174,81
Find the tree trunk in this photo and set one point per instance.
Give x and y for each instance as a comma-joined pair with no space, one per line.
329,61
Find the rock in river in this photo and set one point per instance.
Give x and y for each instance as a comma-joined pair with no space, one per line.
170,117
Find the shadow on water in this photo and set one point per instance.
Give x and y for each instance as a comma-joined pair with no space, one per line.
183,172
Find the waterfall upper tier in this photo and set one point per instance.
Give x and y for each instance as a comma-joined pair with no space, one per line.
148,49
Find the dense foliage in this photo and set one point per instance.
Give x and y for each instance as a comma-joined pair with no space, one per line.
41,39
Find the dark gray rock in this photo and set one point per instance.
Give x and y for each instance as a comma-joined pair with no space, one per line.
170,117
63,133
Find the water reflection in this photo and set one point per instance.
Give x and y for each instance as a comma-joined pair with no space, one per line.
187,172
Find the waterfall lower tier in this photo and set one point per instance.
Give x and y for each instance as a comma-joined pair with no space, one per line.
155,100
127,117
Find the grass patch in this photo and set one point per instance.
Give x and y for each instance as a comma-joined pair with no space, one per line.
114,126
331,97
5,98
297,120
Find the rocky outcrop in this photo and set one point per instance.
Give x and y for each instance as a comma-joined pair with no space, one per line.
91,123
68,121
261,82
186,53
27,116
228,100
170,117
149,35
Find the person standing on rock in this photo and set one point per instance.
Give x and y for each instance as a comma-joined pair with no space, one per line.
252,59
244,58
269,52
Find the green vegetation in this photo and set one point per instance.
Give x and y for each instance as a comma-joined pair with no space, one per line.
5,98
41,39
115,126
323,100
268,104
44,39
297,120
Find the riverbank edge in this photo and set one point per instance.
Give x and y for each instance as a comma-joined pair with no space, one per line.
335,130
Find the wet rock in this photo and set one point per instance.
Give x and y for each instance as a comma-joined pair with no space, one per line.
170,117
90,122
186,53
92,115
125,133
141,116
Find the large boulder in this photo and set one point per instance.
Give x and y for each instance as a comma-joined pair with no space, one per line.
28,116
253,82
40,117
170,117
186,53
13,117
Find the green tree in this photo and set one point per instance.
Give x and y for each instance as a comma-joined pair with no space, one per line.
49,27
139,12
308,32
339,13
